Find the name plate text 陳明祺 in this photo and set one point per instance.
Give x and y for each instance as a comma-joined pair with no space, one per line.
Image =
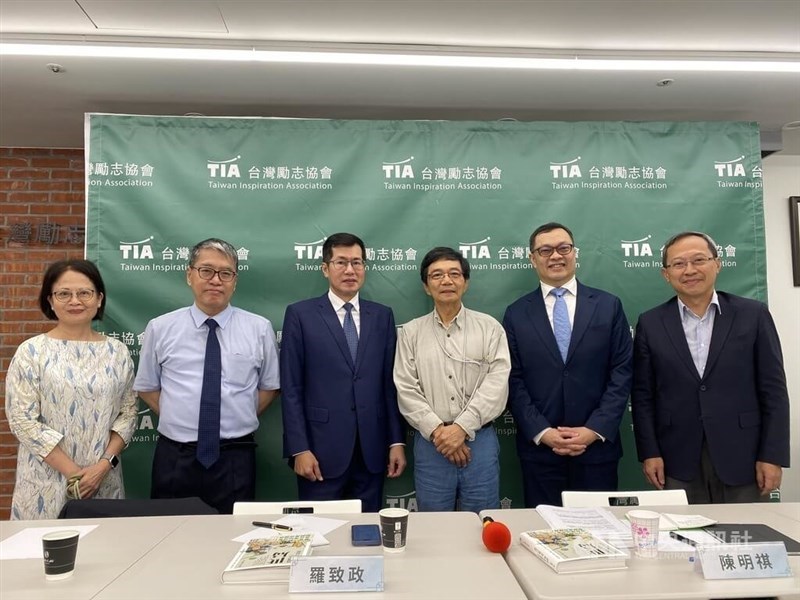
744,561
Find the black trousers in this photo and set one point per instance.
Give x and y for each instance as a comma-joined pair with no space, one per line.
355,482
543,482
178,474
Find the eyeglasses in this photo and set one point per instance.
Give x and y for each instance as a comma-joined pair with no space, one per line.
65,296
439,275
207,273
697,262
340,264
547,251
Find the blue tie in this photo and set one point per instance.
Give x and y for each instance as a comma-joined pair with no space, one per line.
208,424
561,326
350,333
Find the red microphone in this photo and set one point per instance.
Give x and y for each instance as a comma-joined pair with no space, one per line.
496,536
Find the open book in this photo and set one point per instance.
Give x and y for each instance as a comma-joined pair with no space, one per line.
265,560
572,550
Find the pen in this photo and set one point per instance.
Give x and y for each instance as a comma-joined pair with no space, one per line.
681,538
276,526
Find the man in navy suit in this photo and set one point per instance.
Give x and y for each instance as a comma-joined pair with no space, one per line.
341,424
570,375
710,405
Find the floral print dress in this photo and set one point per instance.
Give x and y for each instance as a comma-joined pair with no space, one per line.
71,394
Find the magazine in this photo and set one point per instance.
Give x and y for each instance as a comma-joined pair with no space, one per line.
573,550
264,560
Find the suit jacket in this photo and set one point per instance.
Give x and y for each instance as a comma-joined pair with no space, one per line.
326,399
590,389
740,405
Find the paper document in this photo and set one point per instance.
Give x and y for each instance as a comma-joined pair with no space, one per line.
302,523
671,522
28,542
299,524
600,521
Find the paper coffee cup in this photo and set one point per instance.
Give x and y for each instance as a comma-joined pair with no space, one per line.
394,525
60,549
644,528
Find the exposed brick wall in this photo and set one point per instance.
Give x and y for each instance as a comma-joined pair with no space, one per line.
41,205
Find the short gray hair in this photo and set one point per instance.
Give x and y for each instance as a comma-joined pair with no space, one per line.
214,244
712,245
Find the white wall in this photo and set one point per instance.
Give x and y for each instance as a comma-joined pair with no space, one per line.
781,180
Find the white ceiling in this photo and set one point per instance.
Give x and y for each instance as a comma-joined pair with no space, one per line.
42,108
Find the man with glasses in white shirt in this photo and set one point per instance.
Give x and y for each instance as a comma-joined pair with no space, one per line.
451,373
710,404
208,370
570,375
342,431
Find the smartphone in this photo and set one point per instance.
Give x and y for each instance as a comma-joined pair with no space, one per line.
365,535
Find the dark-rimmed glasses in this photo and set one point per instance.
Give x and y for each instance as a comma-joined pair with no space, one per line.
207,274
547,251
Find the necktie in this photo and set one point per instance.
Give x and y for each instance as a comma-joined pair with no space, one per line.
561,326
208,424
350,333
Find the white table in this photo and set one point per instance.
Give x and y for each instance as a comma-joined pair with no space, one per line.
183,557
444,558
649,579
787,509
103,555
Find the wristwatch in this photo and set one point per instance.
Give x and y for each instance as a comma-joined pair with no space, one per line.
113,460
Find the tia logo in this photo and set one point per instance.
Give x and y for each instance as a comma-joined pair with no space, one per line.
730,168
637,247
407,501
472,250
398,170
136,250
309,250
566,170
224,168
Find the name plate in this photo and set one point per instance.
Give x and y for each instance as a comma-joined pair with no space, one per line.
744,561
336,574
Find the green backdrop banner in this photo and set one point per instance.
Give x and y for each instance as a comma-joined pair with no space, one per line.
276,188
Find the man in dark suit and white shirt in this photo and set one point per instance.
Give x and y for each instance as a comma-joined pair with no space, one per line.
710,405
570,375
342,430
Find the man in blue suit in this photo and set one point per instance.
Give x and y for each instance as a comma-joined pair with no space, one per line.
710,405
341,424
570,375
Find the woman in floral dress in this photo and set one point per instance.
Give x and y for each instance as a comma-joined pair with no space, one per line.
69,398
